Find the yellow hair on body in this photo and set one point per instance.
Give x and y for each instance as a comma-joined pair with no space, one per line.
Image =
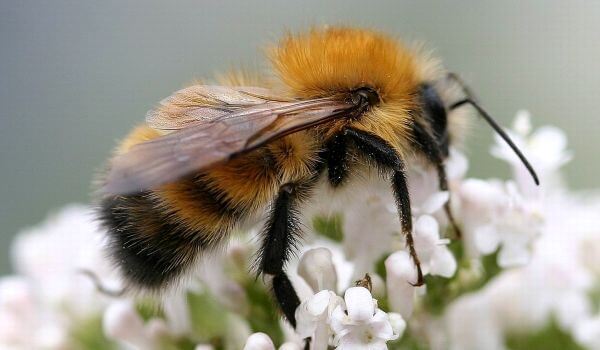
340,59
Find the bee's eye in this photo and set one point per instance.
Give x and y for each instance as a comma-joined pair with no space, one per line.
434,112
365,95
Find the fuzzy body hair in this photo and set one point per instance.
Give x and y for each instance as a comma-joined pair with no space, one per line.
157,235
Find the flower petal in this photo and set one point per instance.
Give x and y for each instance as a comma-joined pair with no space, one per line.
359,304
317,269
378,345
522,122
259,341
290,346
121,321
381,327
398,323
427,235
442,263
339,320
456,165
435,202
486,239
512,255
317,305
401,271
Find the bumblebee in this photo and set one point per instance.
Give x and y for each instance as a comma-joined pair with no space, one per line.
210,157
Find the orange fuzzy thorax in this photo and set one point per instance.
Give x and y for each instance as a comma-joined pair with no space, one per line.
322,62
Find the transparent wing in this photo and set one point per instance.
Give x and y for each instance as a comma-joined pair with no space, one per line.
206,102
215,139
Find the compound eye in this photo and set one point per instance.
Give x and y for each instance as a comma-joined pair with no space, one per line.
365,95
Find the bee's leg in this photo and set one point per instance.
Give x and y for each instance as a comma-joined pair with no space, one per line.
425,142
336,159
280,238
382,153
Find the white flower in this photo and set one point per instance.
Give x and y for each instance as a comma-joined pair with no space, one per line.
551,234
436,258
122,322
52,254
470,325
457,165
545,149
213,272
496,216
313,316
203,347
425,194
401,275
177,312
398,323
259,341
434,255
24,323
587,333
317,269
370,225
40,306
290,346
362,325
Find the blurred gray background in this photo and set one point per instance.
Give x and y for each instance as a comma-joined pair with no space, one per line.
75,76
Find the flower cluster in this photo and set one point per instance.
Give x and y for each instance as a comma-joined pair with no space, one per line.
524,275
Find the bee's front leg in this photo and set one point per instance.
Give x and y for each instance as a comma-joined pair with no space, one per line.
336,154
426,143
383,154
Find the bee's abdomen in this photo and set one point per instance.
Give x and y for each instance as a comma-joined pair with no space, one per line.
151,247
157,235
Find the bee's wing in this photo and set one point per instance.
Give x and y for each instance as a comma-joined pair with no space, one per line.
208,141
206,102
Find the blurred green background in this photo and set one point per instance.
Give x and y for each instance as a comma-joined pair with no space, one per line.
76,76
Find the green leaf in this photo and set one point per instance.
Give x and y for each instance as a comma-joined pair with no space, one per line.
408,342
148,308
263,315
442,291
551,337
330,227
208,317
594,297
88,334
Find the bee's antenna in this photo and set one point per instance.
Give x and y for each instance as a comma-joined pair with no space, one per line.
500,132
466,89
470,99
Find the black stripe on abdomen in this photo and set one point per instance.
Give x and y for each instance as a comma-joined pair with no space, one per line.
149,247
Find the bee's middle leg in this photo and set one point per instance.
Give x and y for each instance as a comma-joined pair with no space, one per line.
280,237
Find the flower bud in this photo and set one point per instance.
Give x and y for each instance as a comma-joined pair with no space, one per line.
317,269
401,272
259,341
